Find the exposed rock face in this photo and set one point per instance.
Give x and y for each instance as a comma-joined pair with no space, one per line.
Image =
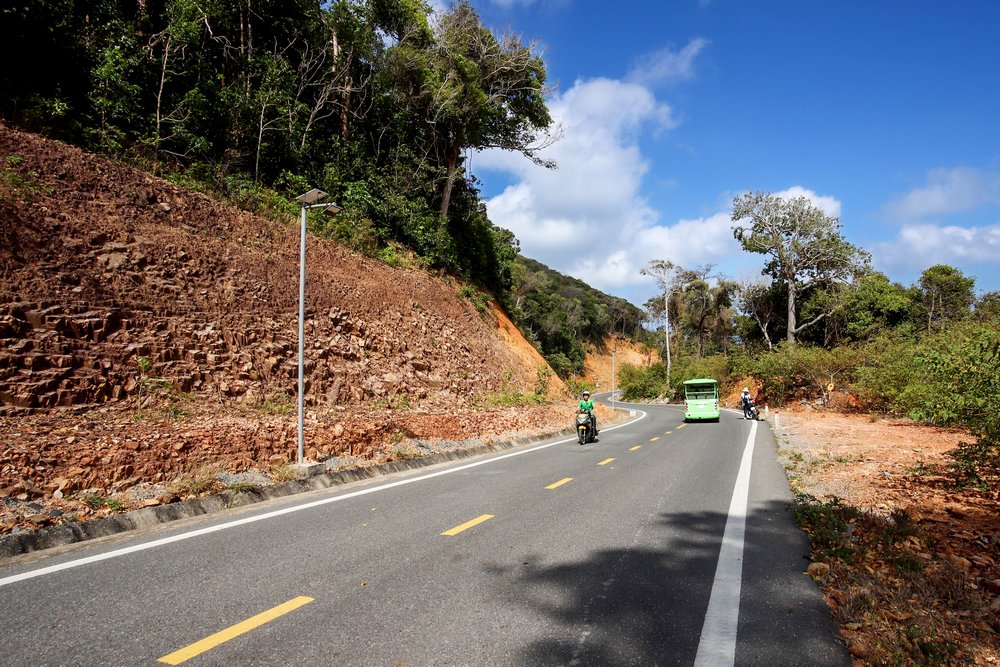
116,284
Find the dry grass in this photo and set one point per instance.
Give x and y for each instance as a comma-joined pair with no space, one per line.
202,481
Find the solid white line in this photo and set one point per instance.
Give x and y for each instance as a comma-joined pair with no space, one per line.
288,510
717,646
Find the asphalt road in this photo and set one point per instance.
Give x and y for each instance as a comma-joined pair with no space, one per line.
649,547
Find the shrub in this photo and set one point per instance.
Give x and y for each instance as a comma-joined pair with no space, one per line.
542,376
962,379
577,385
889,379
642,383
565,367
789,371
687,368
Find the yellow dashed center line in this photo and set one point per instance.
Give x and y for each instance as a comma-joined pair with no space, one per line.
681,425
468,524
564,480
654,439
668,433
210,642
632,449
605,462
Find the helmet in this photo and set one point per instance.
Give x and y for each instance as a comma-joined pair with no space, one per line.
586,393
745,390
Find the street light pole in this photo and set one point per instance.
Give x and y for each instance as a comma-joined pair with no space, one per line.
302,327
306,201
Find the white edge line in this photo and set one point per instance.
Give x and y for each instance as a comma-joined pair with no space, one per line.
31,574
717,645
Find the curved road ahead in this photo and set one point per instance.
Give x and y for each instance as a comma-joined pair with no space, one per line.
649,547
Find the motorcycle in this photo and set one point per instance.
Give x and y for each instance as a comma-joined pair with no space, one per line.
584,427
752,411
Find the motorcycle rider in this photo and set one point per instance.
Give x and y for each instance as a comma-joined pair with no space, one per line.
745,402
587,405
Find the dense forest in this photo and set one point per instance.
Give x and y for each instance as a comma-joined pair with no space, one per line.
561,314
372,101
377,102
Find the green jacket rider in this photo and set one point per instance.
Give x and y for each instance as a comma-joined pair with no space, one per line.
587,405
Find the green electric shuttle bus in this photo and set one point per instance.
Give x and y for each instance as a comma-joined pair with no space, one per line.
701,399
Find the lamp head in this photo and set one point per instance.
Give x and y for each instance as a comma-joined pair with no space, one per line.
311,197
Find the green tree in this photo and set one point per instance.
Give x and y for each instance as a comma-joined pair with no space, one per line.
875,305
988,307
962,377
946,295
473,90
115,95
764,304
707,308
171,50
804,244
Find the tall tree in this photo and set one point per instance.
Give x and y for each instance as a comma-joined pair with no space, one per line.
874,305
988,307
805,246
474,90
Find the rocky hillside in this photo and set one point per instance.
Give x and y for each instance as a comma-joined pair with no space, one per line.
148,334
111,277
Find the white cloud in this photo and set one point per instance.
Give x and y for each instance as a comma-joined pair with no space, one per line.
928,233
666,65
829,205
946,191
921,245
588,218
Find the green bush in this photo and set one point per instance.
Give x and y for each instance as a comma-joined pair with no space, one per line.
791,371
642,383
962,380
576,384
890,379
542,377
564,366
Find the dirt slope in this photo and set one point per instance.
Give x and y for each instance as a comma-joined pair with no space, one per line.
103,265
147,331
598,364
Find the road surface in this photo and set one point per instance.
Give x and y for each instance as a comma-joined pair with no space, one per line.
664,543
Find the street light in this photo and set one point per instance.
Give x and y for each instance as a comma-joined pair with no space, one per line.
613,350
306,201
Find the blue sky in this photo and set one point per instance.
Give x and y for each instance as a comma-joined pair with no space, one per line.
887,114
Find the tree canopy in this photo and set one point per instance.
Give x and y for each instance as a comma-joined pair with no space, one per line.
804,246
369,100
562,315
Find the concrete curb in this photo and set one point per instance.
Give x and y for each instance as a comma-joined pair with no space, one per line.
69,533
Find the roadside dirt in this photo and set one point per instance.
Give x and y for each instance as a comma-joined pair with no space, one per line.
919,581
60,468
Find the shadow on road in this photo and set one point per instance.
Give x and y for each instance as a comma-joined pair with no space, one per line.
646,605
